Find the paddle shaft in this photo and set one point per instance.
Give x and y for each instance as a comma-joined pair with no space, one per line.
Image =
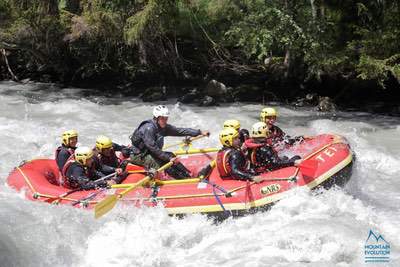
50,200
186,141
109,202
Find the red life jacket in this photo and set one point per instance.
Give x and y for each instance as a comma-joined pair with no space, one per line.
69,149
252,148
64,179
222,162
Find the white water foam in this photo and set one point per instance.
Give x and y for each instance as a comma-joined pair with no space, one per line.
306,228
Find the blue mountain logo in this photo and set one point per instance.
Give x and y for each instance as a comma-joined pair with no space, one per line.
375,237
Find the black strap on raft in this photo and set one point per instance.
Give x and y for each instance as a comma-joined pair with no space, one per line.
220,188
154,193
89,197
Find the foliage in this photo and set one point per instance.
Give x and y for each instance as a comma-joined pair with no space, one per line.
74,40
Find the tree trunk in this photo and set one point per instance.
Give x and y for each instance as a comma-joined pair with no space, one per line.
142,53
49,7
13,76
313,10
287,62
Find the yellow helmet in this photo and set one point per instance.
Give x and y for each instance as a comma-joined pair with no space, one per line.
259,129
67,135
267,113
103,142
82,154
227,135
235,124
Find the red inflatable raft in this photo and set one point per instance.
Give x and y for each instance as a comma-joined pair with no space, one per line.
331,152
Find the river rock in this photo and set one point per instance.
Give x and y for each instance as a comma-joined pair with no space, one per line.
208,101
154,94
191,97
215,89
326,104
247,92
308,100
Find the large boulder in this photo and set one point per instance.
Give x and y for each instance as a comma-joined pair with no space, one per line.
215,89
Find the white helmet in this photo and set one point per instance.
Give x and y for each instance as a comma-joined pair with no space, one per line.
259,129
160,111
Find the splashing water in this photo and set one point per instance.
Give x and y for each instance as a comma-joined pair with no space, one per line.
323,227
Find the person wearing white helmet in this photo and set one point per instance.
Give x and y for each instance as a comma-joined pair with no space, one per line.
262,156
148,141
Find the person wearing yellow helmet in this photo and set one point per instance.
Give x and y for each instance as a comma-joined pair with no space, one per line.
269,115
231,162
69,140
107,160
276,135
80,171
105,150
262,156
235,124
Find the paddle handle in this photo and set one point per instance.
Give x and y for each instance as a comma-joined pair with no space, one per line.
105,177
186,141
144,180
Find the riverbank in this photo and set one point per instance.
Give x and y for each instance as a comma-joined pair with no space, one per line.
330,55
327,95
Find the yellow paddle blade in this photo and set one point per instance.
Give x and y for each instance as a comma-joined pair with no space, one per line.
105,206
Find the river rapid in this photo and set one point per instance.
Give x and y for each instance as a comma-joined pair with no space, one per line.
327,228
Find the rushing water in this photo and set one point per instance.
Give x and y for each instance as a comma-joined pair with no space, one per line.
304,229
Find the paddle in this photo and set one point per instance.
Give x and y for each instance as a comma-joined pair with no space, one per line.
195,151
57,199
89,197
109,202
186,141
205,172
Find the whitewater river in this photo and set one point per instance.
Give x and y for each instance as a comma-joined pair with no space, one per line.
328,229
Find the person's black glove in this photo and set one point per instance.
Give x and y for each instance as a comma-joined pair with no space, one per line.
124,164
126,152
120,178
88,186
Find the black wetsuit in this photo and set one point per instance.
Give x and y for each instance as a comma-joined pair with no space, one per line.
149,138
238,164
243,135
63,155
148,141
277,135
266,157
79,177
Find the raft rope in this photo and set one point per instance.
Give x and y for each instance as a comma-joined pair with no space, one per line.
28,182
85,201
36,194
